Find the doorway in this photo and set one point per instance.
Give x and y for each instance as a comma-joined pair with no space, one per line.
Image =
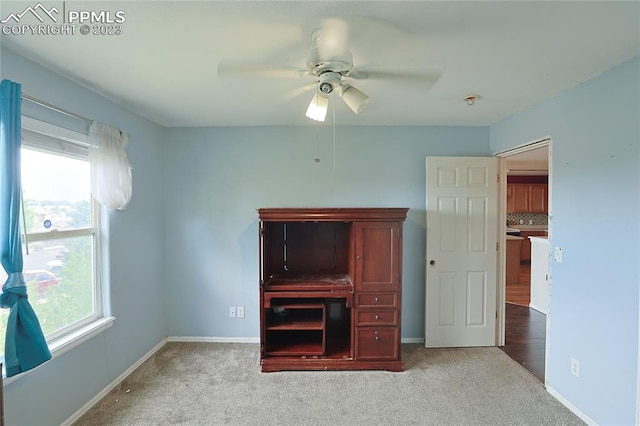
524,321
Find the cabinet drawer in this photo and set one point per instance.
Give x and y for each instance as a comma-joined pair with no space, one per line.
376,317
377,300
377,343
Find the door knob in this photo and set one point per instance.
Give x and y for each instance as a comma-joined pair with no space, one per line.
432,263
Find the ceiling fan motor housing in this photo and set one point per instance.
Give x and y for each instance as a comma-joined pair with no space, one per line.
328,80
326,88
320,62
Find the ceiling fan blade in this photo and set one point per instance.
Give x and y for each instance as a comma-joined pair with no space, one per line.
332,37
258,69
352,32
291,94
428,78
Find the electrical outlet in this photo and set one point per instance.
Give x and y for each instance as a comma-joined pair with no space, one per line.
557,254
232,311
240,311
575,367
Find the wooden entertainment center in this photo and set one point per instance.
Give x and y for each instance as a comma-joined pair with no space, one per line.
330,288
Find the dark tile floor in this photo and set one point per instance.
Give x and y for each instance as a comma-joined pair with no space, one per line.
525,331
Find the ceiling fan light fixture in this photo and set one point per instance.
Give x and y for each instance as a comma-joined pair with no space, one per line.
354,98
318,107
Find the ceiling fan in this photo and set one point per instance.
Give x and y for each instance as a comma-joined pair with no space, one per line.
330,64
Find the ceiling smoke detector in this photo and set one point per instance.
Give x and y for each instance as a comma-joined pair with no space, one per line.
471,99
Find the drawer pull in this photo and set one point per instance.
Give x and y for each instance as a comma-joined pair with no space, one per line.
376,299
377,317
377,337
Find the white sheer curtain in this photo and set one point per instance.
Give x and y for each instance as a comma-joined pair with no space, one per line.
110,168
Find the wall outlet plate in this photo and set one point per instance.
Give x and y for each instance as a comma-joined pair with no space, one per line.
575,367
232,312
240,311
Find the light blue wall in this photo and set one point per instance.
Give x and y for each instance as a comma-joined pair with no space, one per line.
192,222
217,177
594,304
53,392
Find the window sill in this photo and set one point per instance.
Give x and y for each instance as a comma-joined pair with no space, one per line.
70,341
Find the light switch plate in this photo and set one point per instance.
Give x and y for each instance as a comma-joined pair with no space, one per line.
557,254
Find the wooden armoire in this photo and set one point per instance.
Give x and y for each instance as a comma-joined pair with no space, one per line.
330,288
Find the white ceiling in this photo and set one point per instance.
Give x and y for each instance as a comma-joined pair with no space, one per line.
513,54
534,161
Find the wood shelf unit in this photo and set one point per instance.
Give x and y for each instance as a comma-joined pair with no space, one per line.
330,288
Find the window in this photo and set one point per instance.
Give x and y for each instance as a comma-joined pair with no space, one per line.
59,234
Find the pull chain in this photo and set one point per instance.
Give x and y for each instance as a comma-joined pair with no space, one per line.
317,157
334,130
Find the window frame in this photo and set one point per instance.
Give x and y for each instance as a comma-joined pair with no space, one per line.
74,145
93,231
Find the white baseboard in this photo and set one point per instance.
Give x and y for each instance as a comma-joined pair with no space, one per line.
252,339
112,385
575,410
213,339
412,340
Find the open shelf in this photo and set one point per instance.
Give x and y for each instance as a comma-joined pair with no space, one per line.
307,327
294,343
309,282
294,318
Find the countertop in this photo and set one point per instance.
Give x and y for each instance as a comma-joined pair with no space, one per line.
529,227
541,239
513,237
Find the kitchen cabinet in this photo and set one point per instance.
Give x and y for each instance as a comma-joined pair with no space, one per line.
521,198
527,198
538,198
330,288
511,199
514,245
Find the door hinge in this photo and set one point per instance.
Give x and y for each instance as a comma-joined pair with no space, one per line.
497,246
498,177
496,314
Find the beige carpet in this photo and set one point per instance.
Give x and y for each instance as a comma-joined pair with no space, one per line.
221,383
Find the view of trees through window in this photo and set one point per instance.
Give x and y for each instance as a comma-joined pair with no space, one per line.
58,267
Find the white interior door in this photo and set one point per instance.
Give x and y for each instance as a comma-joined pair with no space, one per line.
462,221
